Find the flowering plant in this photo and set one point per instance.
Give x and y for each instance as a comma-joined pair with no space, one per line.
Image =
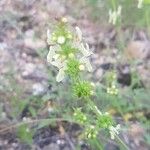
71,56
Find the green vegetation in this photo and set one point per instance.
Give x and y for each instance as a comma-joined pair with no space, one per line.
74,97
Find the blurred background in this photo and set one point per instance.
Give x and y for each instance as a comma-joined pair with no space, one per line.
27,83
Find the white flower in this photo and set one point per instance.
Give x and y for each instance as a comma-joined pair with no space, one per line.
140,4
62,66
114,131
61,40
114,15
79,34
61,75
52,52
64,20
85,61
57,63
119,10
85,50
49,37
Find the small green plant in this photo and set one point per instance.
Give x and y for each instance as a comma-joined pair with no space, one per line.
71,56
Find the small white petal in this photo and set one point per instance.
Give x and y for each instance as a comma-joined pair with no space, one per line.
114,131
85,51
48,37
110,16
56,56
87,63
118,127
112,136
140,4
50,55
60,76
79,34
57,63
48,33
89,66
119,10
88,49
113,15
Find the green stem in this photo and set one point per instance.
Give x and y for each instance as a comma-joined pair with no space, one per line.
113,2
124,145
97,111
94,107
97,144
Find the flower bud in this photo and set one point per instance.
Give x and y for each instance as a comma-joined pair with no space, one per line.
61,40
69,36
64,20
82,67
92,84
92,92
71,55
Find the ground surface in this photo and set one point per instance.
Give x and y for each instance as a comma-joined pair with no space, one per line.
23,50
